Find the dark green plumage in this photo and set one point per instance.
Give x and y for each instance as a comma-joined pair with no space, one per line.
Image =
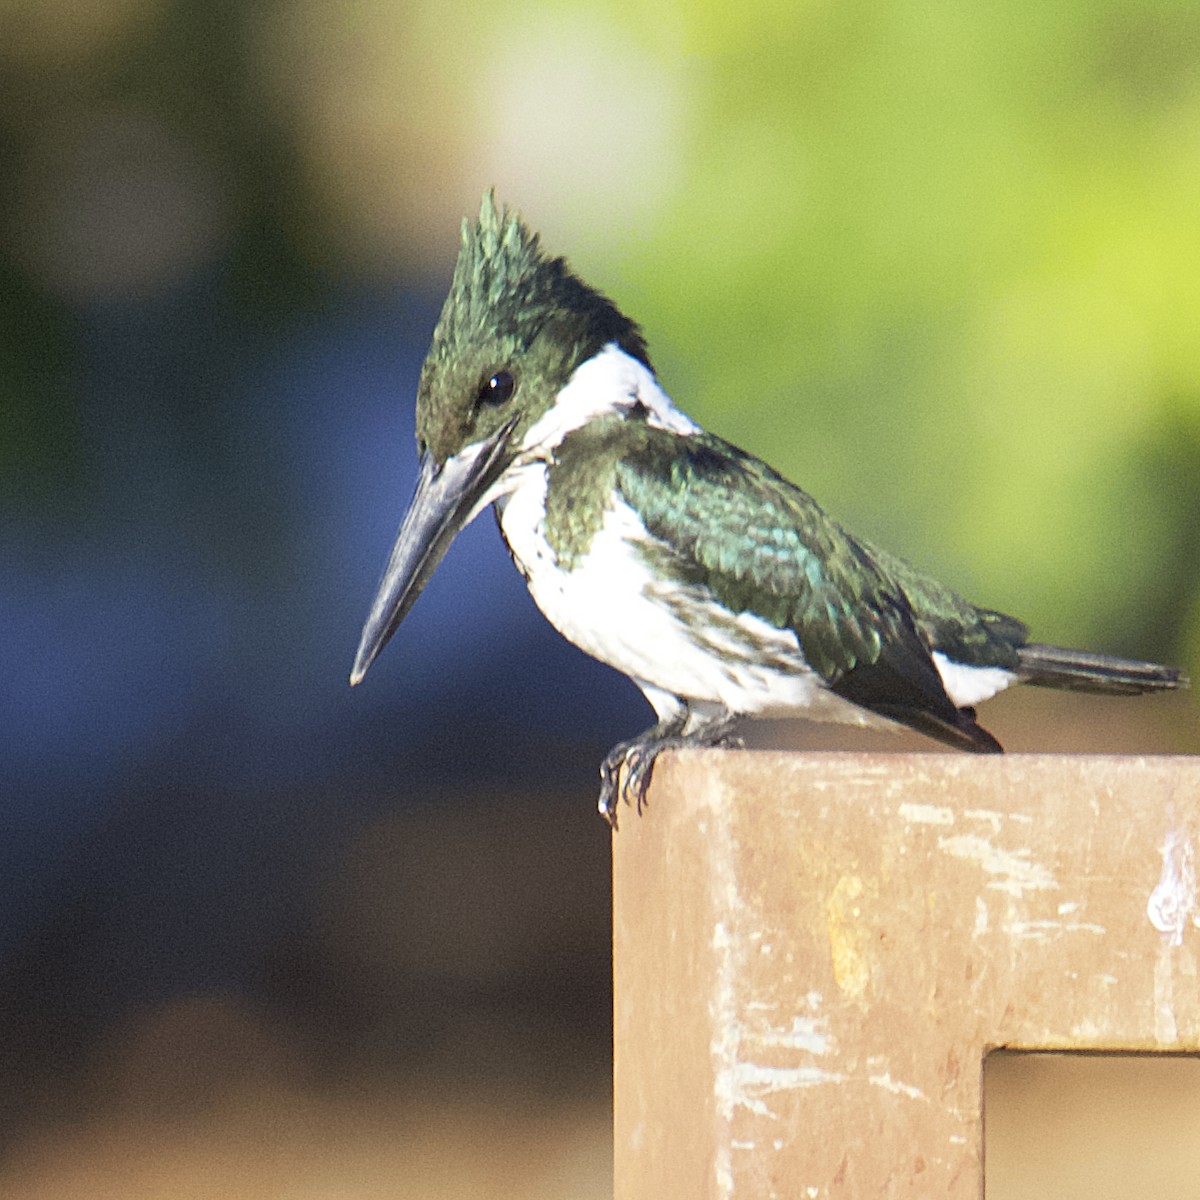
728,525
760,544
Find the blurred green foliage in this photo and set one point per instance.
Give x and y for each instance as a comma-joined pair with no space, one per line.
942,265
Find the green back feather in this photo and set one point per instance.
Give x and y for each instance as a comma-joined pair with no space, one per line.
725,522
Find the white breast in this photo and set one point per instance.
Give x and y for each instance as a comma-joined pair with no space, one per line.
664,637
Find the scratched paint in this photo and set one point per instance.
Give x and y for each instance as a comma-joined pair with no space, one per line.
894,1086
1173,900
1011,871
926,814
805,1033
1049,930
1170,907
744,1080
745,1054
748,1085
726,1039
993,818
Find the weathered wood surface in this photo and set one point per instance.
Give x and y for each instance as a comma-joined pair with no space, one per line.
814,953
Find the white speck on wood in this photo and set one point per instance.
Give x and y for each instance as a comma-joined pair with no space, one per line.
926,814
637,1135
989,815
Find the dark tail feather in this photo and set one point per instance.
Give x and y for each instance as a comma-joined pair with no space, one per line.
1077,670
963,734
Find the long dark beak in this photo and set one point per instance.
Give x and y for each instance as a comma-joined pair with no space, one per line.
445,500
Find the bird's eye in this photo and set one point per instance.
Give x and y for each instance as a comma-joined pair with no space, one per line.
498,389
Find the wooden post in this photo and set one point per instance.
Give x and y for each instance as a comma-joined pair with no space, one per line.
814,953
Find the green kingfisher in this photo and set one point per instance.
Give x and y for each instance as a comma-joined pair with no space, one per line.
721,589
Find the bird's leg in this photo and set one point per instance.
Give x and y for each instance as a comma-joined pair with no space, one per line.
628,766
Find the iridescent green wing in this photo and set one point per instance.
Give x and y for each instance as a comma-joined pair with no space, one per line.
724,522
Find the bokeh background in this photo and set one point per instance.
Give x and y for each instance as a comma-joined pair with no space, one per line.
263,935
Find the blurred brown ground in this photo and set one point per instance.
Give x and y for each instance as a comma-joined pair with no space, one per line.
453,1030
1086,1127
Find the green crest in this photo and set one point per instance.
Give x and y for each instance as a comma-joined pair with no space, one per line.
510,307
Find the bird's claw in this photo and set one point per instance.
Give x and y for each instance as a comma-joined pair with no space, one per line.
628,767
626,772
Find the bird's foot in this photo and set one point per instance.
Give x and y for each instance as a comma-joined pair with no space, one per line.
626,771
628,767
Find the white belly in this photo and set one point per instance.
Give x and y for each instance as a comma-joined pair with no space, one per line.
665,637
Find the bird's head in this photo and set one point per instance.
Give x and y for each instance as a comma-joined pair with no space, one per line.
515,328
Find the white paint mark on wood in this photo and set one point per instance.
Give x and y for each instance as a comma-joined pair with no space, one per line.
1048,930
806,1034
1012,871
1173,900
726,1038
926,814
989,815
745,1078
748,1085
894,1086
981,916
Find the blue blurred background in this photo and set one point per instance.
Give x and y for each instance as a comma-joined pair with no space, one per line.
941,266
